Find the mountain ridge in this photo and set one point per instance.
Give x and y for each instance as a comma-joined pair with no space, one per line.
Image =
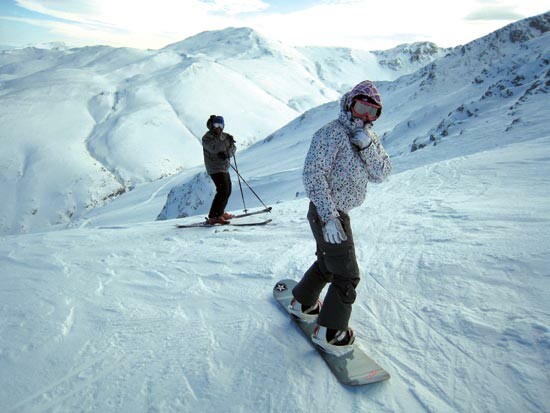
443,105
113,101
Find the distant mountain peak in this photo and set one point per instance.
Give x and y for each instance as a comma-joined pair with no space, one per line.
50,46
517,32
409,53
525,30
229,42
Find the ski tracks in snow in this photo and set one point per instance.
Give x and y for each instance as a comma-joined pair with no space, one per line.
83,379
430,299
160,319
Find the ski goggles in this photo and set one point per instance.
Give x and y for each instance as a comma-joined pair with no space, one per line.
217,125
363,109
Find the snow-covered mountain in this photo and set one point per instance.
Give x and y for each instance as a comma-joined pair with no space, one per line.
409,55
494,87
124,313
490,92
80,126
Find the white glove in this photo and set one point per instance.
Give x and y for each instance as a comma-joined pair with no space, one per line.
361,138
333,233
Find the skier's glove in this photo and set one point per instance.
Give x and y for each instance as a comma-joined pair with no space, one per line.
223,155
230,138
333,232
361,138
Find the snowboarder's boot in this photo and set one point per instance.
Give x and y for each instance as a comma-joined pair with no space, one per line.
337,342
304,312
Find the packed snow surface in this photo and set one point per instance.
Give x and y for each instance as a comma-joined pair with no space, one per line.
453,302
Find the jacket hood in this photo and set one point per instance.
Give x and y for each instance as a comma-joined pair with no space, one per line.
365,88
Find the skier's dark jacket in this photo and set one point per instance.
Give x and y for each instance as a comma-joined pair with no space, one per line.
217,151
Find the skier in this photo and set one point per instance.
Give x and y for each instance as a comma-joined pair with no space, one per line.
343,156
218,148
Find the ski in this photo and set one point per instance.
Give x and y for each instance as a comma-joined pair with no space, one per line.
205,224
247,214
249,224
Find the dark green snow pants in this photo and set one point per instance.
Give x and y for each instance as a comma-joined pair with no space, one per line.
336,264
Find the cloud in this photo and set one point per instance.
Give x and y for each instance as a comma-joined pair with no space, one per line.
58,9
357,24
504,10
362,24
93,9
494,13
233,7
134,23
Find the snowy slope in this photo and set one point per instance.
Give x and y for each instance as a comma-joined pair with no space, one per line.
125,313
495,87
489,93
104,119
454,303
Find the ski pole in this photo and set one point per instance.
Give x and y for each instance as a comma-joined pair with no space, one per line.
239,178
249,187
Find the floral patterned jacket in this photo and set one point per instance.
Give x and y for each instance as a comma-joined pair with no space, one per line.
335,173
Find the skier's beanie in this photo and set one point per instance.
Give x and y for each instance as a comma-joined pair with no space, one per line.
209,121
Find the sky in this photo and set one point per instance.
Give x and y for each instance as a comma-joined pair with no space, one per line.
361,24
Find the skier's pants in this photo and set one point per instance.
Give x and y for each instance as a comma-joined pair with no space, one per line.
222,180
336,264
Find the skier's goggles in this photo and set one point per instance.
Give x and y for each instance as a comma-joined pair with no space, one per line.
365,110
217,125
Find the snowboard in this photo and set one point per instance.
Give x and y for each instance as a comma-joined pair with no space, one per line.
354,368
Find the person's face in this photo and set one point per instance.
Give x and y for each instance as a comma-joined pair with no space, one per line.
218,128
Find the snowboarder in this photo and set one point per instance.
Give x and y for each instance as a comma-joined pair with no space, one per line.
218,148
343,157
